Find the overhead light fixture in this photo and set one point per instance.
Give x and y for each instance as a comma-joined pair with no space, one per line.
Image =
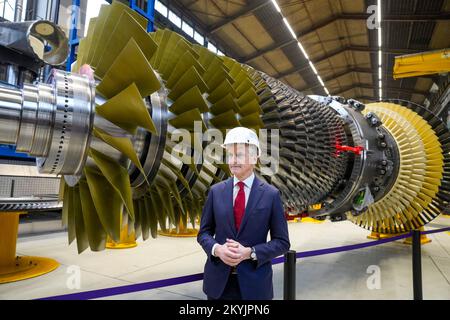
379,37
321,81
303,50
380,53
379,13
274,2
289,28
313,68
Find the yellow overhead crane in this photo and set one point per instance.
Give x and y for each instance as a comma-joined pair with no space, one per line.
424,63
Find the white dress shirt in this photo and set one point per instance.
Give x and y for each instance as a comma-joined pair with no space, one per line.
247,187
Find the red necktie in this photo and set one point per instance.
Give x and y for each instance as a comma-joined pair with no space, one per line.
239,205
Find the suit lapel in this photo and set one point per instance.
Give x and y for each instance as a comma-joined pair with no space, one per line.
255,194
228,203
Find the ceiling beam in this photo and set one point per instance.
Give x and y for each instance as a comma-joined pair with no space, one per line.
338,75
346,16
255,5
201,24
370,87
353,70
273,47
341,50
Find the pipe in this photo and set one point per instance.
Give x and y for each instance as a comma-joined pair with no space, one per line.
18,11
10,114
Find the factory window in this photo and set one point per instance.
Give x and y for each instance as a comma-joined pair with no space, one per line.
161,8
176,20
212,47
188,29
92,11
7,8
199,38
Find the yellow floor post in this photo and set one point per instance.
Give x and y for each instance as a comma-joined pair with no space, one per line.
378,236
127,237
423,238
311,220
127,240
183,232
313,207
14,268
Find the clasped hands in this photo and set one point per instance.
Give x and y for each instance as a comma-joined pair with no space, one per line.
232,252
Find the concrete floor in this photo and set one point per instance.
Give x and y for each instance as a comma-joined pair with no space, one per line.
334,276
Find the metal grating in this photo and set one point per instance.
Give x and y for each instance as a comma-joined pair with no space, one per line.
28,186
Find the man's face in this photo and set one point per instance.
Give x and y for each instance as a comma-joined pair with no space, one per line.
240,159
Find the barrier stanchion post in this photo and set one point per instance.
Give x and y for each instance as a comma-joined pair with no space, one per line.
290,260
417,265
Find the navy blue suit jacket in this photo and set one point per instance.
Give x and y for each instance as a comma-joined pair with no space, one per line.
263,213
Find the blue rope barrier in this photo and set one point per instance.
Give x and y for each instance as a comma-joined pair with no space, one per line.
95,294
435,231
351,247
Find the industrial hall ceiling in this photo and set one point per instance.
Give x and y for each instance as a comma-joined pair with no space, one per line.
335,36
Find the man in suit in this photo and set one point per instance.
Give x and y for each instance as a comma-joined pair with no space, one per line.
237,216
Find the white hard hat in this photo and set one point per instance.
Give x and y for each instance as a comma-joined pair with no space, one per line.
242,135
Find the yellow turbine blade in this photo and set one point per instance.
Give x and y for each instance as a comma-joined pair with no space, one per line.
116,11
152,221
131,66
123,144
250,107
221,91
127,110
82,237
126,28
186,120
225,120
191,99
68,215
96,33
117,176
107,202
247,97
252,121
225,104
83,48
183,64
94,228
188,80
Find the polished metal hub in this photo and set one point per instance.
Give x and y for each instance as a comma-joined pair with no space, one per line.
52,122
